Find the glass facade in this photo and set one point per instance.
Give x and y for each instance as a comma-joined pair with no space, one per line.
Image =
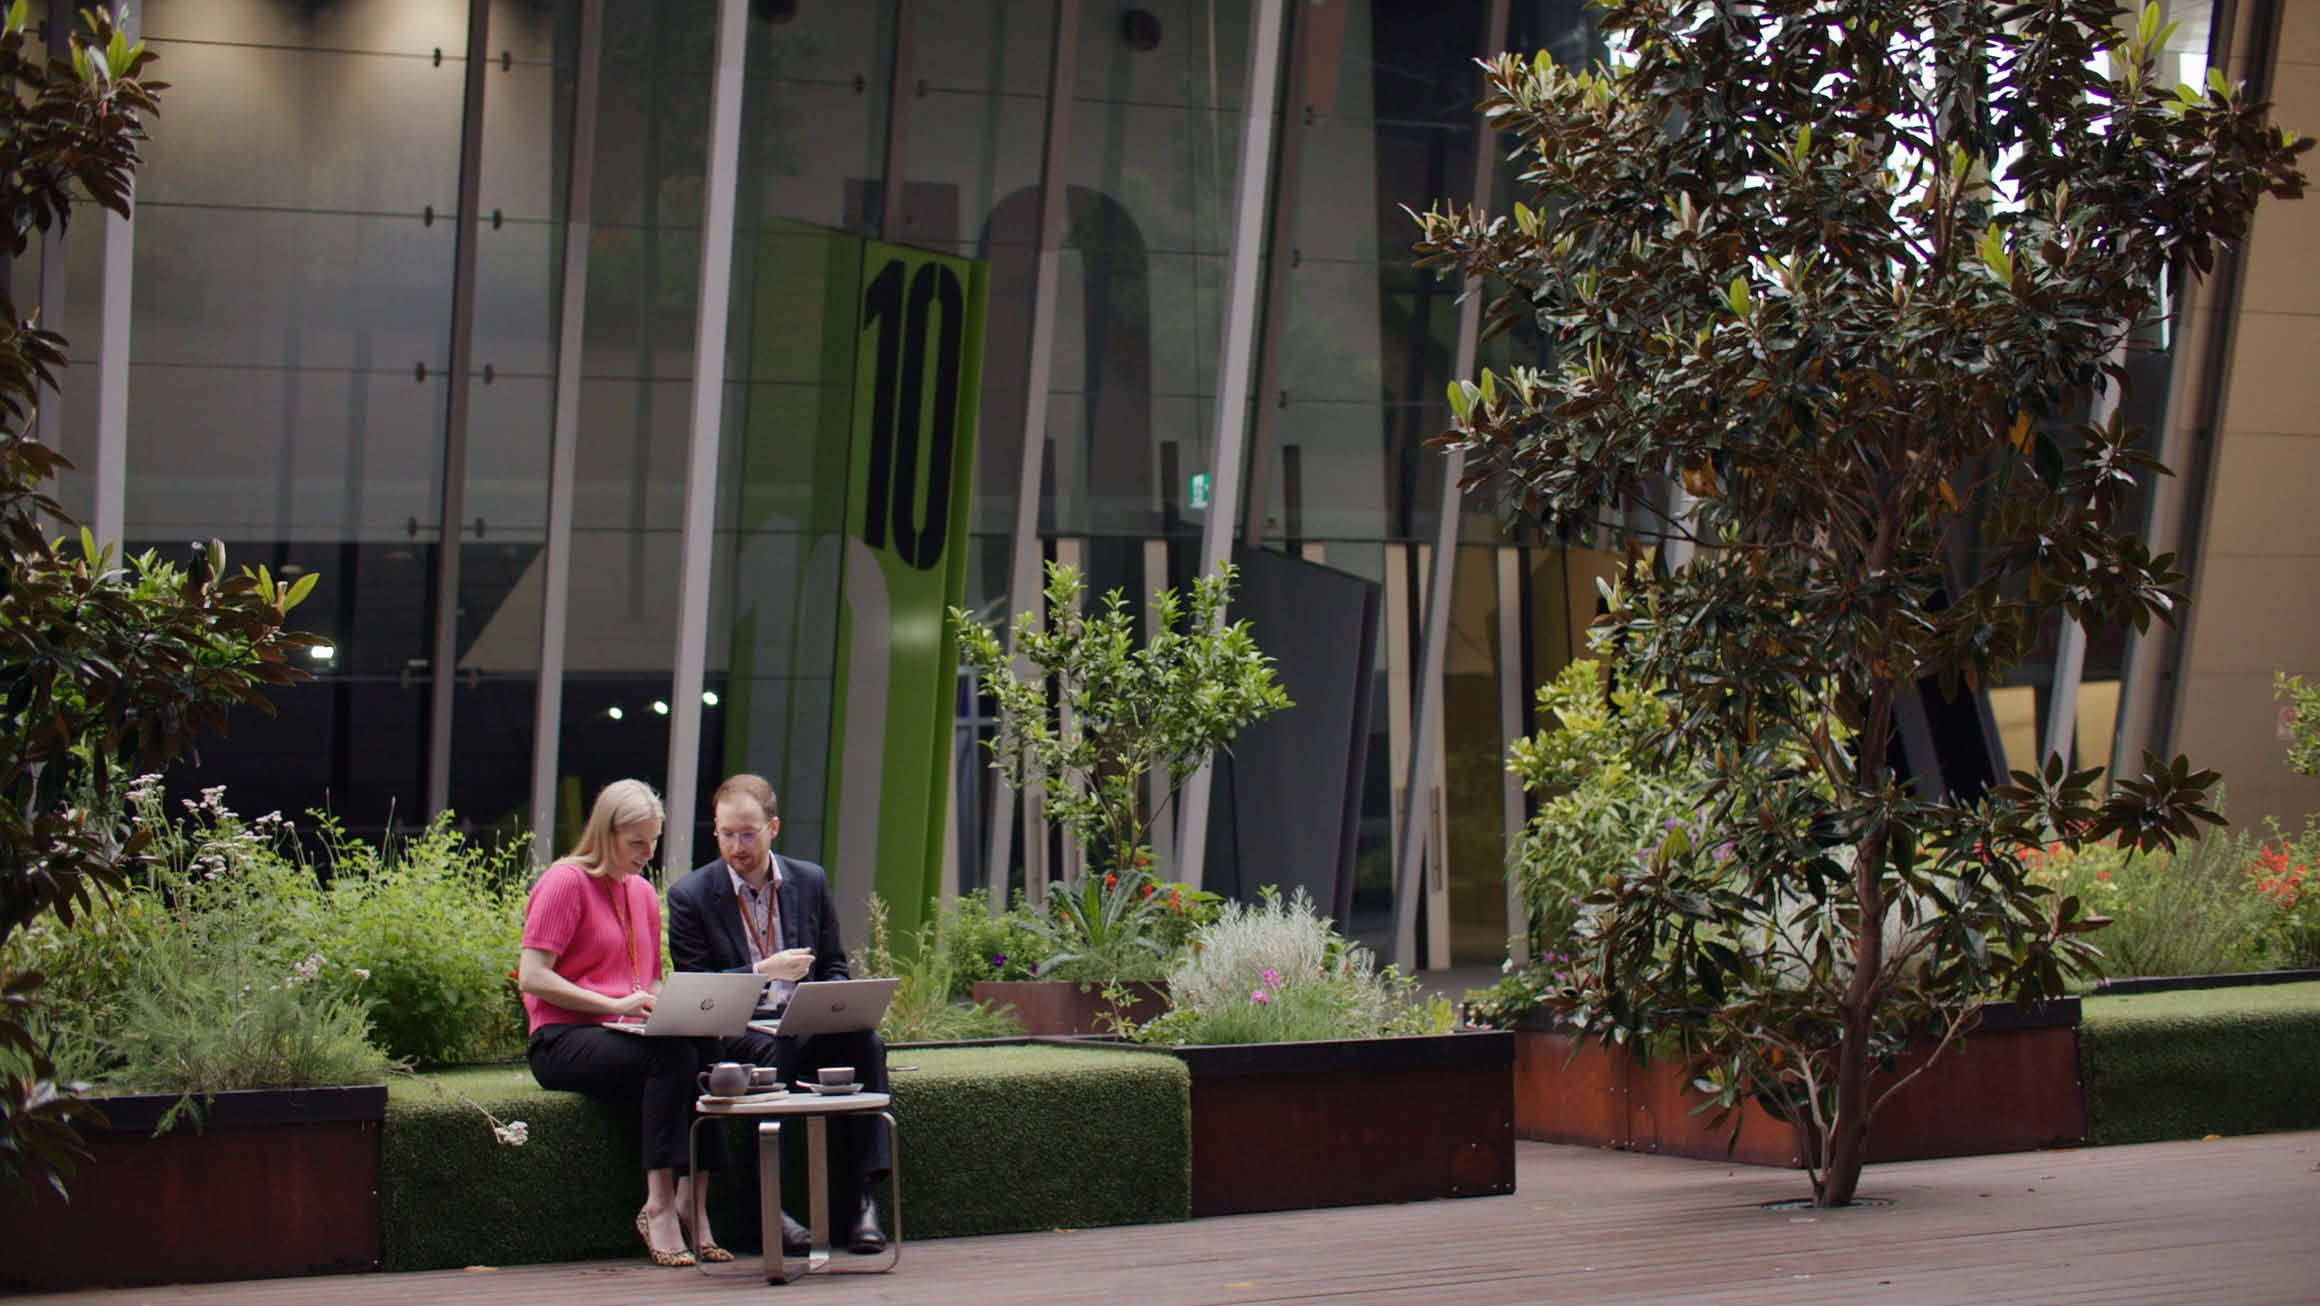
296,313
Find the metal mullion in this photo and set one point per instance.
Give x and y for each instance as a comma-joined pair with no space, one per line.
1424,736
108,469
1510,728
897,124
1023,592
1228,449
564,439
445,651
712,306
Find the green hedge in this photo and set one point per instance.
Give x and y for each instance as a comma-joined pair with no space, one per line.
993,1140
2193,1062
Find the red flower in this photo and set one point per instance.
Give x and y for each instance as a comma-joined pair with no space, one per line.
1111,881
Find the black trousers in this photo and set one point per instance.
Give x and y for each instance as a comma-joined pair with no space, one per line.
661,1074
869,1152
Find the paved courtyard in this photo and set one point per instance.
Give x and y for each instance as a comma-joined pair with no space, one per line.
2233,1220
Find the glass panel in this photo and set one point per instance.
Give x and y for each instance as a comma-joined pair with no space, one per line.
1139,314
635,399
511,413
1473,801
289,331
811,173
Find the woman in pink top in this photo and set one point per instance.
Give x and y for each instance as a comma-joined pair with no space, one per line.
592,952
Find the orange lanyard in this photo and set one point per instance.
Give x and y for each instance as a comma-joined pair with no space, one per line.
628,932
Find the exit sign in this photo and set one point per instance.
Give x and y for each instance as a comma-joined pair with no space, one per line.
1196,491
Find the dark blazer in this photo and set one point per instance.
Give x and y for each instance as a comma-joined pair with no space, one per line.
705,931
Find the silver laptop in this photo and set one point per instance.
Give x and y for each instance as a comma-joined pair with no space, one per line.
830,1007
699,1004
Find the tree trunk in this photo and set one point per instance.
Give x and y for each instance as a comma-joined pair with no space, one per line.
1848,1140
1847,1143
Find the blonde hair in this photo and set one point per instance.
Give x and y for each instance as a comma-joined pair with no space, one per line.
622,803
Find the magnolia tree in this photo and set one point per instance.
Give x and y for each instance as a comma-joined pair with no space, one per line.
1845,273
106,667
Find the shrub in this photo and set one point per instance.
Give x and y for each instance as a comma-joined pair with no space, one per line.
923,1009
210,1010
1603,799
414,938
435,924
1275,971
1122,925
981,943
2196,911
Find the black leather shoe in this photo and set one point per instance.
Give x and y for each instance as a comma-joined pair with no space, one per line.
796,1239
866,1238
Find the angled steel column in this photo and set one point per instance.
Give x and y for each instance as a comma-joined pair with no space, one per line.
48,418
1284,234
108,471
1409,856
2208,318
442,662
716,294
564,438
1228,446
1023,587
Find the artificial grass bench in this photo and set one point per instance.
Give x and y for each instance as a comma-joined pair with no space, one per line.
994,1139
2194,1062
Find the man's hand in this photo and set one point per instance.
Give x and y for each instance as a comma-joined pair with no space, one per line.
788,964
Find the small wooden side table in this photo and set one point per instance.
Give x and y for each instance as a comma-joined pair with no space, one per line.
816,1109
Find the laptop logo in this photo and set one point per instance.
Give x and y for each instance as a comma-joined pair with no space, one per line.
837,1006
707,1003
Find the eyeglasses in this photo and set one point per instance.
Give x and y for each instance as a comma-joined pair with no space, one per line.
744,838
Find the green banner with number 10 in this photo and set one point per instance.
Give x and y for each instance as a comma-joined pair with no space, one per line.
917,368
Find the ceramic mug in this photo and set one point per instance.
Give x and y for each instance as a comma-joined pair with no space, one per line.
764,1077
835,1076
726,1079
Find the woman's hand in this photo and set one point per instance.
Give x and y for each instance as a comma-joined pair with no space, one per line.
639,1003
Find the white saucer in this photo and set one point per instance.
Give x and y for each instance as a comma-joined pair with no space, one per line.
830,1090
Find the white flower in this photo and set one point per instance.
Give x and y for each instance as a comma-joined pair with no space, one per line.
360,973
514,1133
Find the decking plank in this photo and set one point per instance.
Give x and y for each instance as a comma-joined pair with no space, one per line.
2230,1220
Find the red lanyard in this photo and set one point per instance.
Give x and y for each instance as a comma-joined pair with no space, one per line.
763,938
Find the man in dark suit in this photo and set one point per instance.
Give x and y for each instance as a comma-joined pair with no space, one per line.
752,910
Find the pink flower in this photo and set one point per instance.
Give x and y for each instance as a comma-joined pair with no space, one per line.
1259,997
1272,977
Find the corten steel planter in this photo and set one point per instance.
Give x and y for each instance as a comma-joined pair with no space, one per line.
1347,1122
2012,1086
276,1182
1062,1007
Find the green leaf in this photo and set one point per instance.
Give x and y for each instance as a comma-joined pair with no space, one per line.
1994,255
1736,295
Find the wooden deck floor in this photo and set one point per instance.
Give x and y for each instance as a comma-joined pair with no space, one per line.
2228,1221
